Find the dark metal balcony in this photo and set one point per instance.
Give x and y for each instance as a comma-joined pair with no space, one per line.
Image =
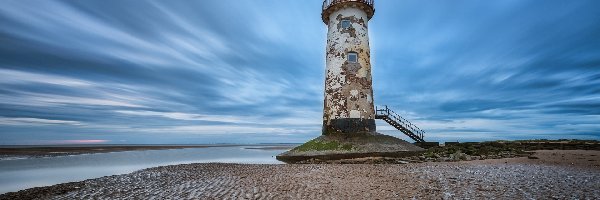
329,6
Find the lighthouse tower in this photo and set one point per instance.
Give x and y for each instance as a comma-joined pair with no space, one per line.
348,107
349,114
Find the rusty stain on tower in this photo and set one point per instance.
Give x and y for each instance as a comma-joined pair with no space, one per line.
348,106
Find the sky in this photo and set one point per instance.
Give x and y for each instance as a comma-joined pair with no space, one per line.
252,71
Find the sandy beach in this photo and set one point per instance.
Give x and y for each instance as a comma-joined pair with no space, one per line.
548,174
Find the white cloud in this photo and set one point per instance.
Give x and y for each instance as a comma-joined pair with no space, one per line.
105,94
50,99
187,116
45,100
21,77
26,121
308,119
252,88
218,130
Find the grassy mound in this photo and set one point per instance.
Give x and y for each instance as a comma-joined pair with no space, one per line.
346,146
319,145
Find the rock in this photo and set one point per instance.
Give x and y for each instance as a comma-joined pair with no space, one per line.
458,156
532,157
468,157
402,162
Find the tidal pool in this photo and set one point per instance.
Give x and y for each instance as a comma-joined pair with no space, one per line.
18,174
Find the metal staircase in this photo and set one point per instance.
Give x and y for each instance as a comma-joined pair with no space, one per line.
399,123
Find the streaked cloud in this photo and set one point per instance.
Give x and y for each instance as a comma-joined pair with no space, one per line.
21,77
34,121
184,116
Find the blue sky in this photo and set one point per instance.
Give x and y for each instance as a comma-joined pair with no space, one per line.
252,71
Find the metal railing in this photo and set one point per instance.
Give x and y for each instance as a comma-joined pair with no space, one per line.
386,112
329,3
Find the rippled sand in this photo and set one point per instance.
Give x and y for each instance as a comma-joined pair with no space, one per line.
556,174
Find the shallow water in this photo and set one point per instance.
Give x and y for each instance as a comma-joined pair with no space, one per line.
18,174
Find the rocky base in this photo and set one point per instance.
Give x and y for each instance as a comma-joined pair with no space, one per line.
350,146
415,159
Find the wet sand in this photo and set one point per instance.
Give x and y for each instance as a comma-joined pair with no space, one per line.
555,174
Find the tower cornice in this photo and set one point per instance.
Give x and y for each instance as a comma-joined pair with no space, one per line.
330,6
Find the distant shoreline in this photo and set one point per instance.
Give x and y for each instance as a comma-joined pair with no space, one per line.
28,151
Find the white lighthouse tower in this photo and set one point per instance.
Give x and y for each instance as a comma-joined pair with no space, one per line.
348,107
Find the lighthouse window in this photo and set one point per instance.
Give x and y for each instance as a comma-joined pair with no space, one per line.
345,23
352,57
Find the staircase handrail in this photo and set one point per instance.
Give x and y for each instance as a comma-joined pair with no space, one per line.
398,118
405,122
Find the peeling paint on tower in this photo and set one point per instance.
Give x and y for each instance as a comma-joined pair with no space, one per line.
348,106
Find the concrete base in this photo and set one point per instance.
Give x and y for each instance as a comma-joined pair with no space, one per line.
348,146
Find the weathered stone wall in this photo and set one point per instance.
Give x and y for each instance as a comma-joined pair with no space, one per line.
348,86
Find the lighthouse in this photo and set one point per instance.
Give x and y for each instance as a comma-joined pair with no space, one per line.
348,104
349,113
